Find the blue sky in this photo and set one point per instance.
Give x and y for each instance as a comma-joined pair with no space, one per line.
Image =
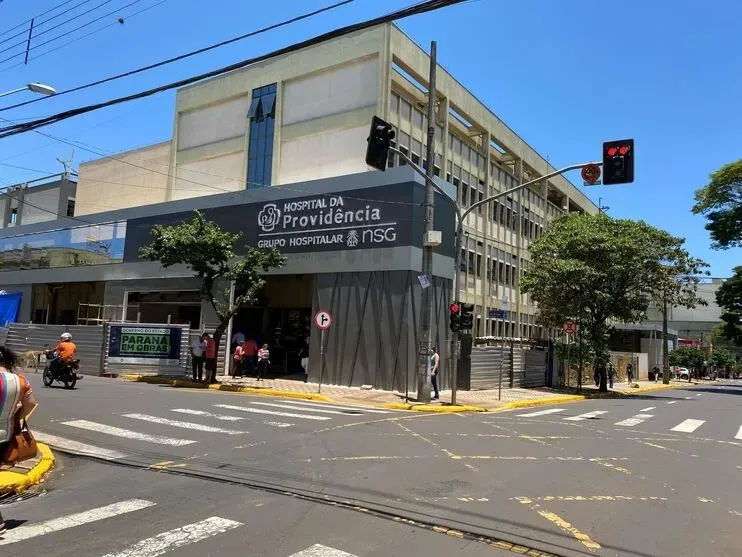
565,75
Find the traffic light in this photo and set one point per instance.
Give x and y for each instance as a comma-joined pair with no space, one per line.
467,316
454,323
618,162
379,140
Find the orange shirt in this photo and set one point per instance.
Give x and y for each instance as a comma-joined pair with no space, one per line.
66,350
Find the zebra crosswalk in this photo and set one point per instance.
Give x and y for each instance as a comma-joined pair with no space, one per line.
647,415
181,427
155,545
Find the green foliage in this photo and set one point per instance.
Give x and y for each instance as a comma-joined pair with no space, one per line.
596,269
570,351
687,356
729,298
720,201
209,252
721,358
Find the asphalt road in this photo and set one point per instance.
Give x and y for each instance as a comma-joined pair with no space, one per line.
647,475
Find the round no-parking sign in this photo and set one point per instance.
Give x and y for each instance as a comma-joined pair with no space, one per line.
323,319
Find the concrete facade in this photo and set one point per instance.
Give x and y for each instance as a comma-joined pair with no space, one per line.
324,99
42,200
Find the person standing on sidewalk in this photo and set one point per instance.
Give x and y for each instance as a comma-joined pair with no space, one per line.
264,358
250,356
611,375
210,353
16,401
435,362
197,358
630,372
304,355
238,358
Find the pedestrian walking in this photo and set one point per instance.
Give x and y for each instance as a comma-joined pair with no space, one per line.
210,354
435,361
304,355
238,357
198,345
611,375
630,373
596,377
249,359
264,358
17,402
656,372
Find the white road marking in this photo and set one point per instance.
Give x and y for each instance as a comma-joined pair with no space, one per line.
688,426
289,407
21,533
699,394
647,409
672,402
542,412
180,537
739,433
278,424
128,434
76,447
184,425
688,397
636,420
586,416
318,550
323,405
273,413
205,414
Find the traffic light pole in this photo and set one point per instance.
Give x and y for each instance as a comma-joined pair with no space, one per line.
460,216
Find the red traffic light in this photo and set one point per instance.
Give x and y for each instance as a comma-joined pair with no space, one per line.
612,151
454,307
623,149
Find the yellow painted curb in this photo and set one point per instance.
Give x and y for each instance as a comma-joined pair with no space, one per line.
15,482
433,407
653,388
269,392
538,402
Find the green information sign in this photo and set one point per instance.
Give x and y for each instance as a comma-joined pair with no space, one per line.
146,344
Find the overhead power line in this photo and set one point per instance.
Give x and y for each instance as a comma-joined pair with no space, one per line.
81,37
420,8
37,24
23,23
188,54
66,33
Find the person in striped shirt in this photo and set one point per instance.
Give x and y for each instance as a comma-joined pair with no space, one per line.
16,396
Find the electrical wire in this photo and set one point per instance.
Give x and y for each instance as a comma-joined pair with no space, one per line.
35,17
422,7
112,12
38,24
188,54
85,36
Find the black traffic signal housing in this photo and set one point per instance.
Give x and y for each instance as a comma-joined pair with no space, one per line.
467,317
454,321
379,140
618,162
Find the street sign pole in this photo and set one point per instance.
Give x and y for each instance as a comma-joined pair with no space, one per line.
323,321
322,359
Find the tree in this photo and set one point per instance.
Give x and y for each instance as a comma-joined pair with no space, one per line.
720,201
210,253
596,269
729,299
721,359
687,356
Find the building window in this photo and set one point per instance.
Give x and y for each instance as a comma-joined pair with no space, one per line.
260,150
14,216
70,206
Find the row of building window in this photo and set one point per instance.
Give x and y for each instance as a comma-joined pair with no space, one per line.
262,115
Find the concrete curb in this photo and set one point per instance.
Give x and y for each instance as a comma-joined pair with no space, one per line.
433,407
538,402
18,483
187,384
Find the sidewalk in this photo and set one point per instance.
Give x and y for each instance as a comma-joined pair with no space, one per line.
28,473
467,401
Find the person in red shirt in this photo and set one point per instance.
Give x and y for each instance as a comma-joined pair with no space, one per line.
239,358
210,354
251,355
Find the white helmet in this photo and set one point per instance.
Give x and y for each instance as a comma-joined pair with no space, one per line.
66,336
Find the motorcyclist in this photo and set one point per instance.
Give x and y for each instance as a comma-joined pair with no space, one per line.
65,352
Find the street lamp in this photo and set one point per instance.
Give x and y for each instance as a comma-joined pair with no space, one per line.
40,88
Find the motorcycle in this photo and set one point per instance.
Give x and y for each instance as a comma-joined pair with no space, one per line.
67,373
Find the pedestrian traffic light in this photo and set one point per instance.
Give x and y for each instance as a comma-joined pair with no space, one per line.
454,323
379,141
618,162
467,316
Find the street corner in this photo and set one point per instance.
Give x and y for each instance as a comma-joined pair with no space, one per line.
20,478
163,380
267,391
546,401
434,408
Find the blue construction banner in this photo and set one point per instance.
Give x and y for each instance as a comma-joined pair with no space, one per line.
10,304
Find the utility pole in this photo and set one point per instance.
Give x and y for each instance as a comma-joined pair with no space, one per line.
665,356
426,336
